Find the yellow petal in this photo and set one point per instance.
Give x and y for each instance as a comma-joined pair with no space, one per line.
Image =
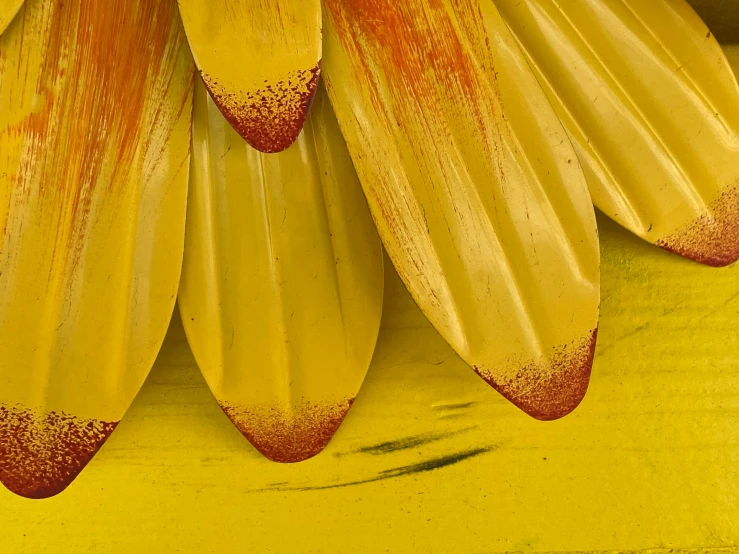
260,61
475,189
282,283
653,110
8,9
94,136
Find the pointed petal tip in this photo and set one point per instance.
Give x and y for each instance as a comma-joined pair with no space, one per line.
713,239
550,390
289,437
42,453
270,118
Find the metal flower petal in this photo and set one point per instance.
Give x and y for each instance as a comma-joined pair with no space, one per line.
282,283
260,62
94,136
475,188
652,107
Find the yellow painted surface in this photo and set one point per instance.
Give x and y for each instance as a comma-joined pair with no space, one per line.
496,242
260,61
652,108
649,460
282,282
93,185
8,9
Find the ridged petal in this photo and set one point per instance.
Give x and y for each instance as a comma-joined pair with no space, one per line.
475,188
652,107
282,283
94,150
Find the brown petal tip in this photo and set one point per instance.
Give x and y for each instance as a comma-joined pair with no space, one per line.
712,239
42,453
551,389
270,118
292,436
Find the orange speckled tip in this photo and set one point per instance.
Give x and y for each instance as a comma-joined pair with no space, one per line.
42,453
270,118
711,239
289,437
550,389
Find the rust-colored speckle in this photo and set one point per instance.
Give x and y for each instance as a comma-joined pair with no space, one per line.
42,453
291,436
549,389
712,239
271,118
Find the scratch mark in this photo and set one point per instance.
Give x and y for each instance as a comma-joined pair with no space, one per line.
403,471
406,443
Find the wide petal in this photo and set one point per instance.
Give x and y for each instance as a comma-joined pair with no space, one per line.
652,108
94,149
282,284
475,188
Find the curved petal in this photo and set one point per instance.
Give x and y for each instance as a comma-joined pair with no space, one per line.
282,283
260,62
652,108
475,189
94,143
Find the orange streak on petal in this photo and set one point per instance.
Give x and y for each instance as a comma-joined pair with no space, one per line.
80,127
411,40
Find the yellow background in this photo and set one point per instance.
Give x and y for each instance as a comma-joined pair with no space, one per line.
650,459
430,459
